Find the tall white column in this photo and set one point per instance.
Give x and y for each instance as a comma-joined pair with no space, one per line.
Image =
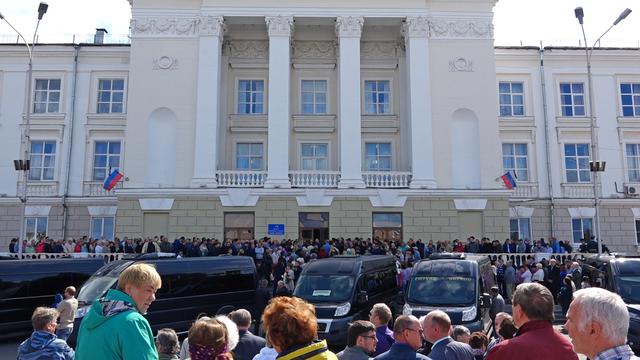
415,31
348,30
279,28
207,106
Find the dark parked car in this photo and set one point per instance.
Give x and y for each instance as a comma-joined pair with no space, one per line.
27,284
344,289
190,286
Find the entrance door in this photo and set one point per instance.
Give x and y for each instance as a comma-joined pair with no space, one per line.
470,224
155,224
313,226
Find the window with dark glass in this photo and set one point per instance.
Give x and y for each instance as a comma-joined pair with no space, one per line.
313,226
387,226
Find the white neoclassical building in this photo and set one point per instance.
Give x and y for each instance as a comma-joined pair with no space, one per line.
243,119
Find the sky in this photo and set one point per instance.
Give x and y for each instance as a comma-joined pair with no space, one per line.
517,22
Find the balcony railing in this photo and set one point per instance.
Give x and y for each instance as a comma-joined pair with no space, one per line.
237,178
525,190
386,179
577,190
39,188
94,188
314,179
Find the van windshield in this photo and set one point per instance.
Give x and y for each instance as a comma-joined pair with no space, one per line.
94,288
323,288
442,290
629,288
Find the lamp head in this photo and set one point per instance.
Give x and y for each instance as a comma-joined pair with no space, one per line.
579,14
1,16
42,9
622,16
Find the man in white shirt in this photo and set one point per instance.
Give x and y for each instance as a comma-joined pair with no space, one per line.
525,273
67,309
538,276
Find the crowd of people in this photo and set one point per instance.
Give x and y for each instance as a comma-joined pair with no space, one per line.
201,246
115,328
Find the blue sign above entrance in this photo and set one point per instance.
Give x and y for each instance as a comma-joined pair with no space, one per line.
275,229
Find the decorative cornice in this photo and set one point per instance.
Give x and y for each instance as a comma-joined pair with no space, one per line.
164,26
279,25
349,26
415,26
212,25
379,50
440,28
314,49
246,49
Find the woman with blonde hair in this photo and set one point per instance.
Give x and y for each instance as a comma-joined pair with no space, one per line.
292,327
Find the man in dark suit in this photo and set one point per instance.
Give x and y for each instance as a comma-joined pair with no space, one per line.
408,339
249,344
437,327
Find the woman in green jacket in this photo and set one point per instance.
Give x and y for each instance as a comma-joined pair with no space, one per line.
114,328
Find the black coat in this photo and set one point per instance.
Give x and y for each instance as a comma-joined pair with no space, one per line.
248,346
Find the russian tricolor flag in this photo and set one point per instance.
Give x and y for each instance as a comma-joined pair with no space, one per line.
112,180
508,180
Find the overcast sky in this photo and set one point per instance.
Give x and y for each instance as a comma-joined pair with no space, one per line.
516,21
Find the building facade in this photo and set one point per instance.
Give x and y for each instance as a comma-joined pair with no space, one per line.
244,119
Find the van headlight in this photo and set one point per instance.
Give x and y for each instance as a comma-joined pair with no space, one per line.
406,309
469,314
81,312
343,309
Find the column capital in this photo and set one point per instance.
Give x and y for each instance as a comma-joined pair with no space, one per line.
349,26
279,25
212,25
415,26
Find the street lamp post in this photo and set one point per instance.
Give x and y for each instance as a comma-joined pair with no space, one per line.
595,166
23,165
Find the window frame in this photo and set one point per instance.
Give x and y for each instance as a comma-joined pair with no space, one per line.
573,95
111,91
364,153
637,223
250,142
48,93
577,159
635,105
364,95
323,214
582,229
103,218
511,98
264,95
326,94
43,154
227,229
522,175
314,158
93,163
627,157
386,228
519,226
37,220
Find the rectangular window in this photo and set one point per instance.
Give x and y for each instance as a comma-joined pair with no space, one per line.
314,157
387,226
239,226
630,99
249,156
377,157
377,97
514,160
520,228
313,97
582,228
576,162
46,96
102,227
637,221
313,226
43,160
106,158
633,162
511,98
572,99
110,96
250,97
36,227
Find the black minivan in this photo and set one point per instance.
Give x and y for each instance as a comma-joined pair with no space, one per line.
619,274
27,284
344,289
455,283
190,286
